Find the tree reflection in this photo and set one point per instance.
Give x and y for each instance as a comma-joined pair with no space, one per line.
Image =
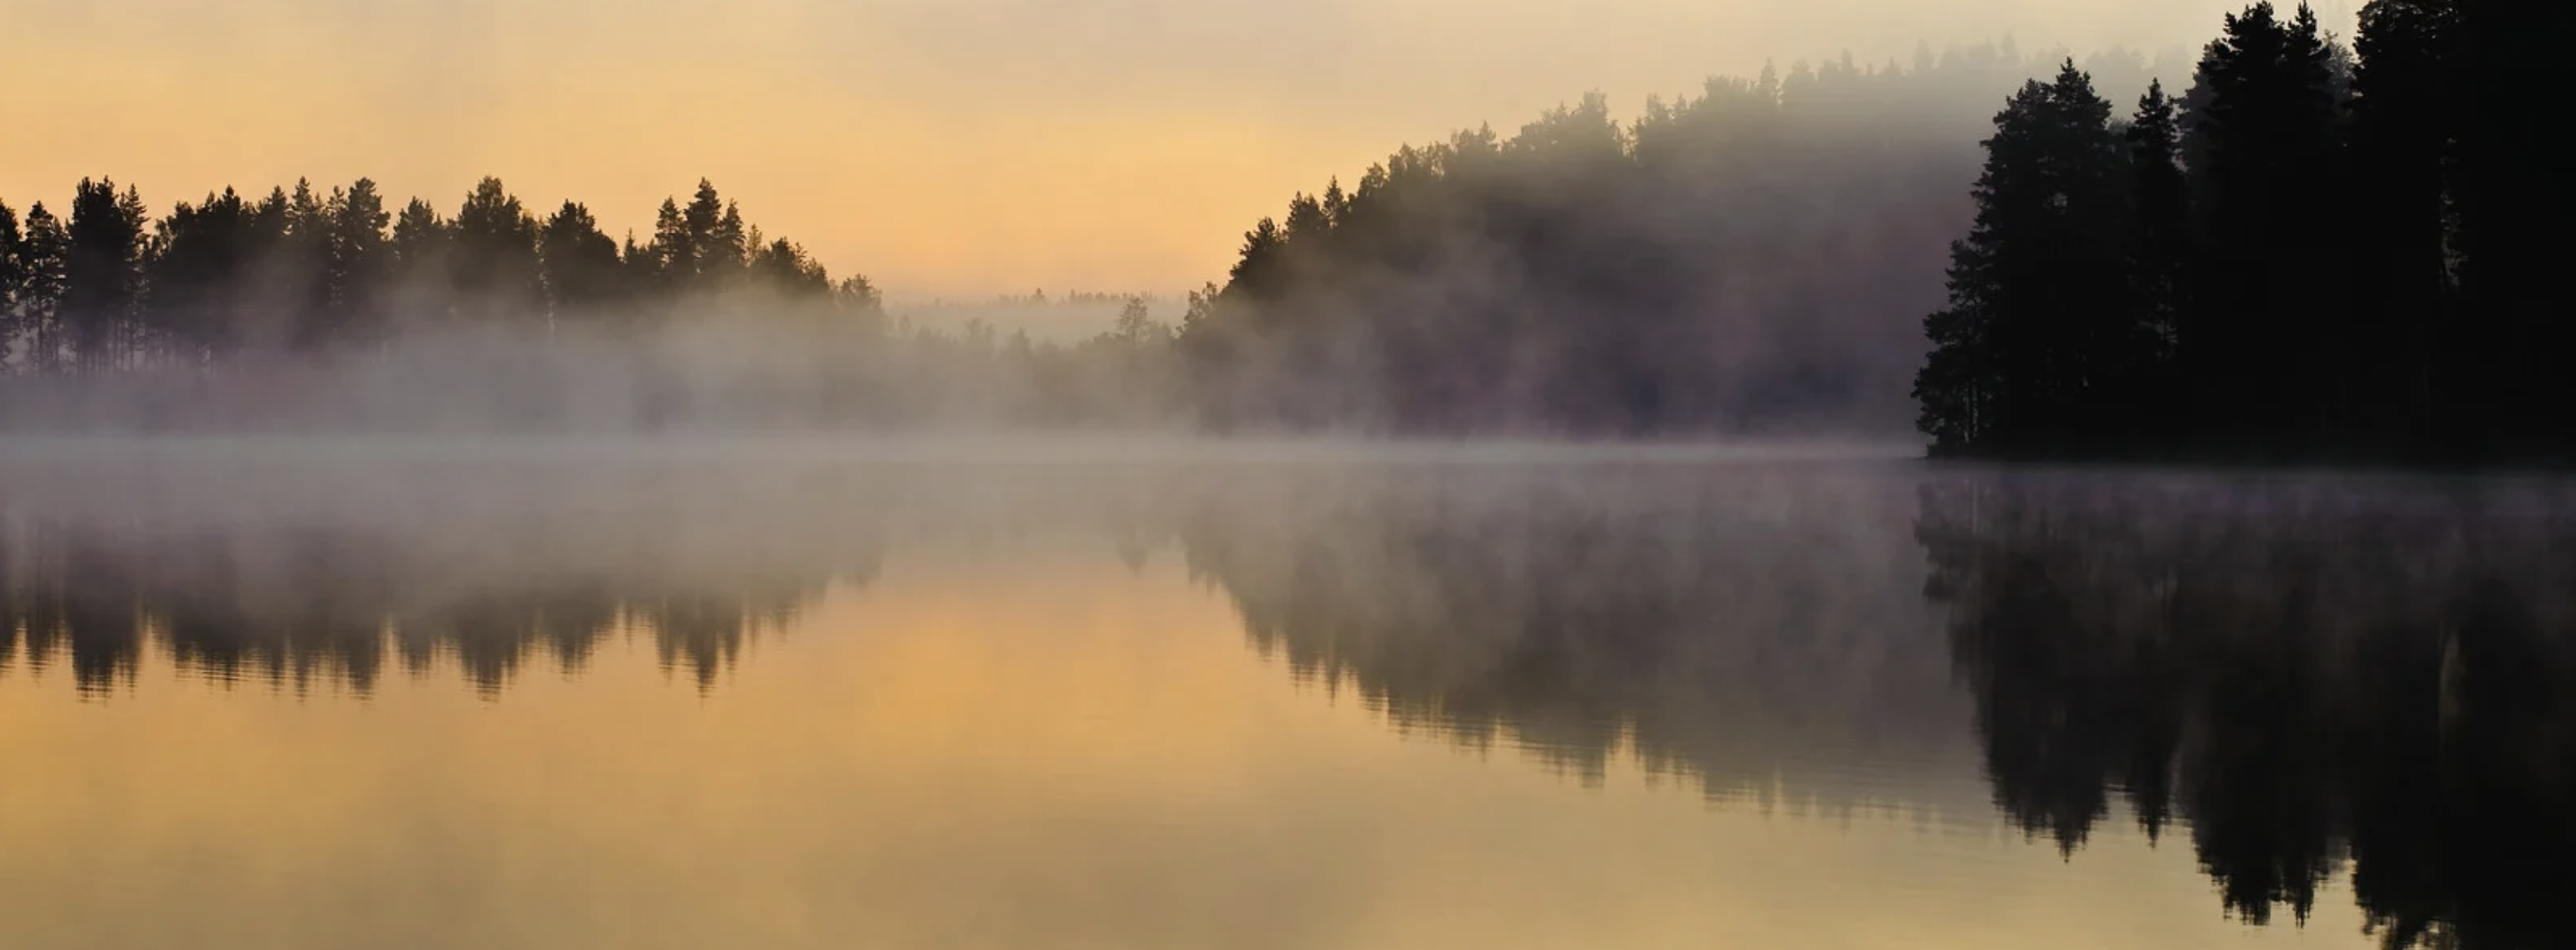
295,607
2301,678
1756,634
2310,674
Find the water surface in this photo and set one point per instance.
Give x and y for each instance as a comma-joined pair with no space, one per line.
767,693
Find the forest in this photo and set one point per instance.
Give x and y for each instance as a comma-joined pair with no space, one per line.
301,309
2315,253
1792,223
2293,248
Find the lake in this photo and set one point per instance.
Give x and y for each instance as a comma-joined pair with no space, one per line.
785,693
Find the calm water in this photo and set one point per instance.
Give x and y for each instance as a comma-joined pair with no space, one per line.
770,694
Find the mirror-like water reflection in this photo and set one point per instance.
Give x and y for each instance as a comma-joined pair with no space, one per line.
622,696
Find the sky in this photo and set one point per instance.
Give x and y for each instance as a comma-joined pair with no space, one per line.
946,148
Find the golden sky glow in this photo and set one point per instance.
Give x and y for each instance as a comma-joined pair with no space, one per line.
1093,759
944,147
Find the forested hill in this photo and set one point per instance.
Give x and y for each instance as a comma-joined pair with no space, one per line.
2314,254
1753,257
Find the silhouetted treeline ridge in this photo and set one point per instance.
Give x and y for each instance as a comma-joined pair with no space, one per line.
110,287
1749,257
1746,258
306,309
2314,252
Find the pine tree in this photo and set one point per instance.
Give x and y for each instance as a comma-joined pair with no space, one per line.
102,280
783,268
674,251
495,253
697,256
302,270
13,280
727,253
361,259
2040,338
582,270
423,245
2162,251
43,271
858,302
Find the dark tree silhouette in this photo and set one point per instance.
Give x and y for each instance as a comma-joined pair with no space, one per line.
102,274
2512,195
362,263
493,253
2272,355
2405,291
41,262
2160,269
2043,331
2324,260
583,271
200,254
13,282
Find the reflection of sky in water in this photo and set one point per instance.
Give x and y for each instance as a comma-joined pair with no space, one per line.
1097,708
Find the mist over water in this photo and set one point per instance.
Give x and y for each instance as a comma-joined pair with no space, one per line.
1521,537
1050,692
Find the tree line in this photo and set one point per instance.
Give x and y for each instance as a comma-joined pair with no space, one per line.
107,286
2317,251
311,309
1748,256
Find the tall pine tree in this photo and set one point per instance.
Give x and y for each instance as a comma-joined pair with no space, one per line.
102,274
2040,345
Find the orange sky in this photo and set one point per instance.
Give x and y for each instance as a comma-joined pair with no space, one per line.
944,147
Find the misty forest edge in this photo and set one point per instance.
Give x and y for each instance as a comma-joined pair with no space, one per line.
2316,251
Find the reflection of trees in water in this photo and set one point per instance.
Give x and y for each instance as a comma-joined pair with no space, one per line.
2308,675
1754,632
290,607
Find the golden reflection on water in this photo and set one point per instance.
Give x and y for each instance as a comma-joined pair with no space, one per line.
1067,754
